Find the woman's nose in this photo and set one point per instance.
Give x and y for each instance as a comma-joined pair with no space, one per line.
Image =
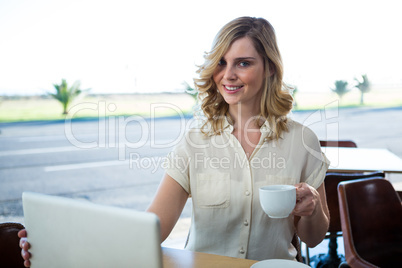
230,73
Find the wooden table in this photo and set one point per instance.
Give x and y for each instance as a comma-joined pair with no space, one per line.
362,160
180,258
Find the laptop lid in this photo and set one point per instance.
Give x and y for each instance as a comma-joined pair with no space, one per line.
64,232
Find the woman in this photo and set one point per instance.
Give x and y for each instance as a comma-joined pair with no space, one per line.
245,142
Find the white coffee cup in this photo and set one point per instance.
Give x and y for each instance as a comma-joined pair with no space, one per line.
278,201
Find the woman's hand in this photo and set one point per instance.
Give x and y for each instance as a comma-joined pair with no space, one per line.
307,200
311,214
24,245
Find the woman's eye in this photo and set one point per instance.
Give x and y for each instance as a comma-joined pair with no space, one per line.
221,63
244,64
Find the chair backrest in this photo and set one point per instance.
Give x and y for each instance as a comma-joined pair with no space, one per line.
342,143
10,252
296,244
371,218
331,185
331,190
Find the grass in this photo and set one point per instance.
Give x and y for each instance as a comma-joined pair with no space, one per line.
94,106
378,97
36,108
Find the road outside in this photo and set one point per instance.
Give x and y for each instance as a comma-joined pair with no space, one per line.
118,161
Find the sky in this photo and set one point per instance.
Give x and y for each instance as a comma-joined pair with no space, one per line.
154,46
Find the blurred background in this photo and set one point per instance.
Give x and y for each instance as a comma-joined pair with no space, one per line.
153,46
85,68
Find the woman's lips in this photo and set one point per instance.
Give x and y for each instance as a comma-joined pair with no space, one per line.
232,89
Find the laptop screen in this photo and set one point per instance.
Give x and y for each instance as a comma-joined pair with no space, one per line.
64,232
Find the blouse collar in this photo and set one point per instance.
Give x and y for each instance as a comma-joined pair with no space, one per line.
227,127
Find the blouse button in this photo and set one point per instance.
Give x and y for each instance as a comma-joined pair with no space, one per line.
247,193
241,251
245,223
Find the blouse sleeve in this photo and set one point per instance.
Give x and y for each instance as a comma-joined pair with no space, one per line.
316,163
177,165
317,177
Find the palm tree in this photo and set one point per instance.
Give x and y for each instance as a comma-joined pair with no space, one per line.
364,86
66,94
341,88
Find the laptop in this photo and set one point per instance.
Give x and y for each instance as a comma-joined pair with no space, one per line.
64,232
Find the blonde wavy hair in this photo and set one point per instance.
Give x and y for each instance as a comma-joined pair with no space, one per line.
276,101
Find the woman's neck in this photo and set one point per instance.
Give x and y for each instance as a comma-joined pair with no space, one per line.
244,117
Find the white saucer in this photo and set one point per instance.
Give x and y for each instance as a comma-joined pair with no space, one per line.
275,263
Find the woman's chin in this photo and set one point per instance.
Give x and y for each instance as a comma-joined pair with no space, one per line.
231,100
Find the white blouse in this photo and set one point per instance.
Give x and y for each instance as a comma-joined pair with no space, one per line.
227,218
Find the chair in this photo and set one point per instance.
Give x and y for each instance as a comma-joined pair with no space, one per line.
10,252
399,194
344,143
332,259
335,230
371,218
296,244
322,258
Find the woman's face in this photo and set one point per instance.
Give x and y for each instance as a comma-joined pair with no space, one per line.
240,74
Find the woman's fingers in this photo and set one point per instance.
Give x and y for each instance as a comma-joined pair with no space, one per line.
27,263
26,256
24,245
22,242
22,233
306,200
